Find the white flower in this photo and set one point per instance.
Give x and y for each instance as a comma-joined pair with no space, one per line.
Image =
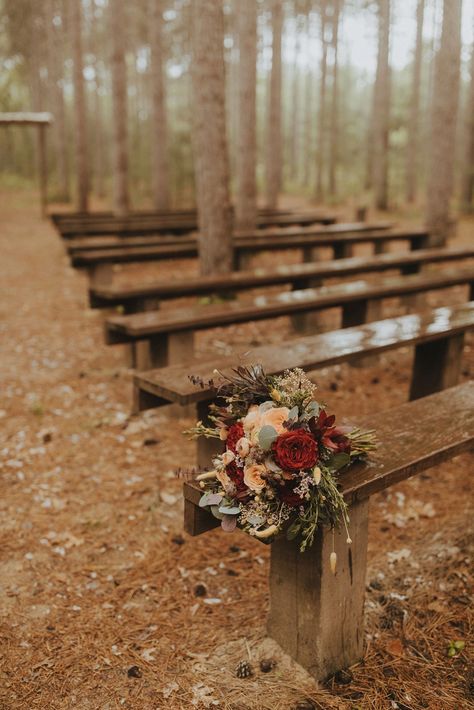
227,457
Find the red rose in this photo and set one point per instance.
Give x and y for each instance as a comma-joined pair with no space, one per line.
330,436
295,450
236,475
236,432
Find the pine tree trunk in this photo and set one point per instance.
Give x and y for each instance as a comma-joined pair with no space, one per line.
467,191
334,140
443,124
246,198
382,109
209,138
82,169
413,126
160,167
308,157
274,148
319,195
119,104
55,72
295,119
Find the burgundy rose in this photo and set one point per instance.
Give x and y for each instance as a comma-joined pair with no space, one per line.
328,435
236,475
288,496
295,450
236,432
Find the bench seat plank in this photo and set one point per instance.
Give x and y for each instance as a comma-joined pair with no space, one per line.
177,224
143,325
101,242
172,384
107,296
170,248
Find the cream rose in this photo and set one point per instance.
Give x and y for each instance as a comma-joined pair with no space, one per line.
253,477
275,417
243,447
252,421
227,457
223,478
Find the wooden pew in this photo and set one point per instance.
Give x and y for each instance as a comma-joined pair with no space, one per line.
136,224
78,244
170,332
341,244
136,298
315,616
437,336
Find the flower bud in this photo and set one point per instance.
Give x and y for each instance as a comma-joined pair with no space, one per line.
317,475
333,561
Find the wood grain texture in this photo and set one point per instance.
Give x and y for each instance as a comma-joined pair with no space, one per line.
315,616
172,384
143,325
298,275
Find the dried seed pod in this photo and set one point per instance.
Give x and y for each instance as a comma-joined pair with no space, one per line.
333,561
243,670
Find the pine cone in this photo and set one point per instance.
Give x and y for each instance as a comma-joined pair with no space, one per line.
243,670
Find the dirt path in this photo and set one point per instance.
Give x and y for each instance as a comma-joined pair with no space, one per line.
98,604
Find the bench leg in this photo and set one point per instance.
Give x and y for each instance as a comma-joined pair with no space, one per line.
139,356
358,313
100,275
343,250
437,366
415,301
308,322
315,616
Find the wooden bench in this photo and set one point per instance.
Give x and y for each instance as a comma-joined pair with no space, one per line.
437,336
174,224
170,332
341,244
318,617
140,297
78,244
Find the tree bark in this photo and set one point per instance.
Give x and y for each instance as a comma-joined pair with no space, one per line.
443,124
246,198
55,71
274,150
161,190
322,106
467,191
334,138
382,109
119,103
413,126
209,138
82,168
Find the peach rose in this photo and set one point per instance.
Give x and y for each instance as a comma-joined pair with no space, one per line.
253,477
275,417
251,422
223,433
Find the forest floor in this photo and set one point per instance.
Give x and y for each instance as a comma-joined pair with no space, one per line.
100,606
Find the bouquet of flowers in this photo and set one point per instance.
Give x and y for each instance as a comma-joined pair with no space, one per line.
283,454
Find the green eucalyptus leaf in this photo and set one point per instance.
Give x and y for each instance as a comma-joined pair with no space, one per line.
267,436
338,461
226,510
